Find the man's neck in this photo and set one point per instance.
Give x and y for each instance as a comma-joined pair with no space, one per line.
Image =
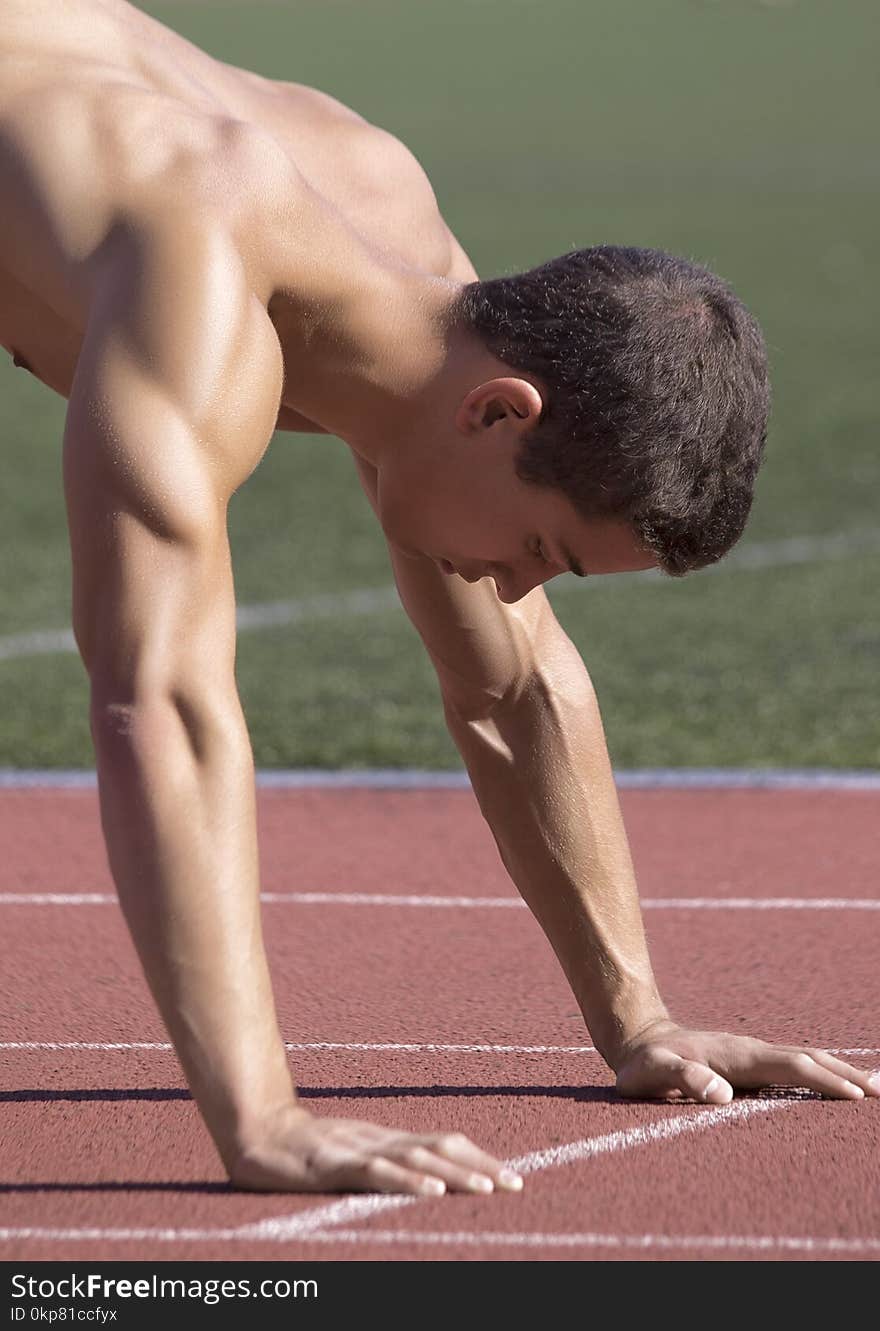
361,353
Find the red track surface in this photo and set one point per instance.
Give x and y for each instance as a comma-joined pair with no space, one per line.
108,1141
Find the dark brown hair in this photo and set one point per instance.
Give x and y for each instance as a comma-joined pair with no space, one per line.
656,392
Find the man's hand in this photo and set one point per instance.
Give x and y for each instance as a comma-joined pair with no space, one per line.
298,1152
669,1062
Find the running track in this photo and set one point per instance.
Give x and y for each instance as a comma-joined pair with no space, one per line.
414,989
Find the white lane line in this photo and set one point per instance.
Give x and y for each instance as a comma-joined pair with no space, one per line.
761,903
374,600
102,1046
395,778
39,642
489,1239
783,553
747,1242
8,1235
664,1129
280,1229
748,778
329,1046
58,899
267,614
798,550
464,903
322,1046
386,899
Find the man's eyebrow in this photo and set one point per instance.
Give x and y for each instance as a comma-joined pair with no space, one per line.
573,565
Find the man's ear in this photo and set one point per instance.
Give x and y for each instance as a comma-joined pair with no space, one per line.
499,399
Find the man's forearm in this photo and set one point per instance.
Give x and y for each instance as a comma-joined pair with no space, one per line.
179,819
540,769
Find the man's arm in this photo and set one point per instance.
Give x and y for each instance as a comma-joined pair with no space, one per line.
522,710
147,480
523,713
160,431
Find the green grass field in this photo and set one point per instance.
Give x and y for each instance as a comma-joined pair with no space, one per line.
741,134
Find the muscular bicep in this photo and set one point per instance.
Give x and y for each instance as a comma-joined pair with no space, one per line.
151,457
153,608
483,649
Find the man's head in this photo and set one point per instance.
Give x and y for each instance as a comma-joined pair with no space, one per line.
651,394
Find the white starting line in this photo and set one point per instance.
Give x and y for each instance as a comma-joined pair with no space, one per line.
330,1046
317,1223
642,1242
463,903
324,1224
411,778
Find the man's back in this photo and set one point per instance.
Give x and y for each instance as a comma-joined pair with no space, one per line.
105,114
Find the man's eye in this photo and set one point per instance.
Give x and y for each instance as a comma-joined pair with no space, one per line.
539,551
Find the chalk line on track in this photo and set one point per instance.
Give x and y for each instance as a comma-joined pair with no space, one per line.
302,1224
465,1239
317,1224
329,1046
395,778
267,614
464,903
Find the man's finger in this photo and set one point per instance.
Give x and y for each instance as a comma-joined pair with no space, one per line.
700,1082
379,1174
798,1068
456,1147
457,1177
665,1076
866,1079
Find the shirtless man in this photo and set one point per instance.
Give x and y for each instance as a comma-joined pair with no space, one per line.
195,256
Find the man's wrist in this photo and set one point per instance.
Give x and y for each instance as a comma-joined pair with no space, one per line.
256,1125
655,1025
623,1023
240,1099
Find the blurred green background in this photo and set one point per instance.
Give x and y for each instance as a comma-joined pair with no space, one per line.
741,134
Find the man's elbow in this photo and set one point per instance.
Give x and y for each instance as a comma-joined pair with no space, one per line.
563,685
126,724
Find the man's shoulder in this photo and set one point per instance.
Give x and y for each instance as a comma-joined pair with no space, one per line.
174,300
